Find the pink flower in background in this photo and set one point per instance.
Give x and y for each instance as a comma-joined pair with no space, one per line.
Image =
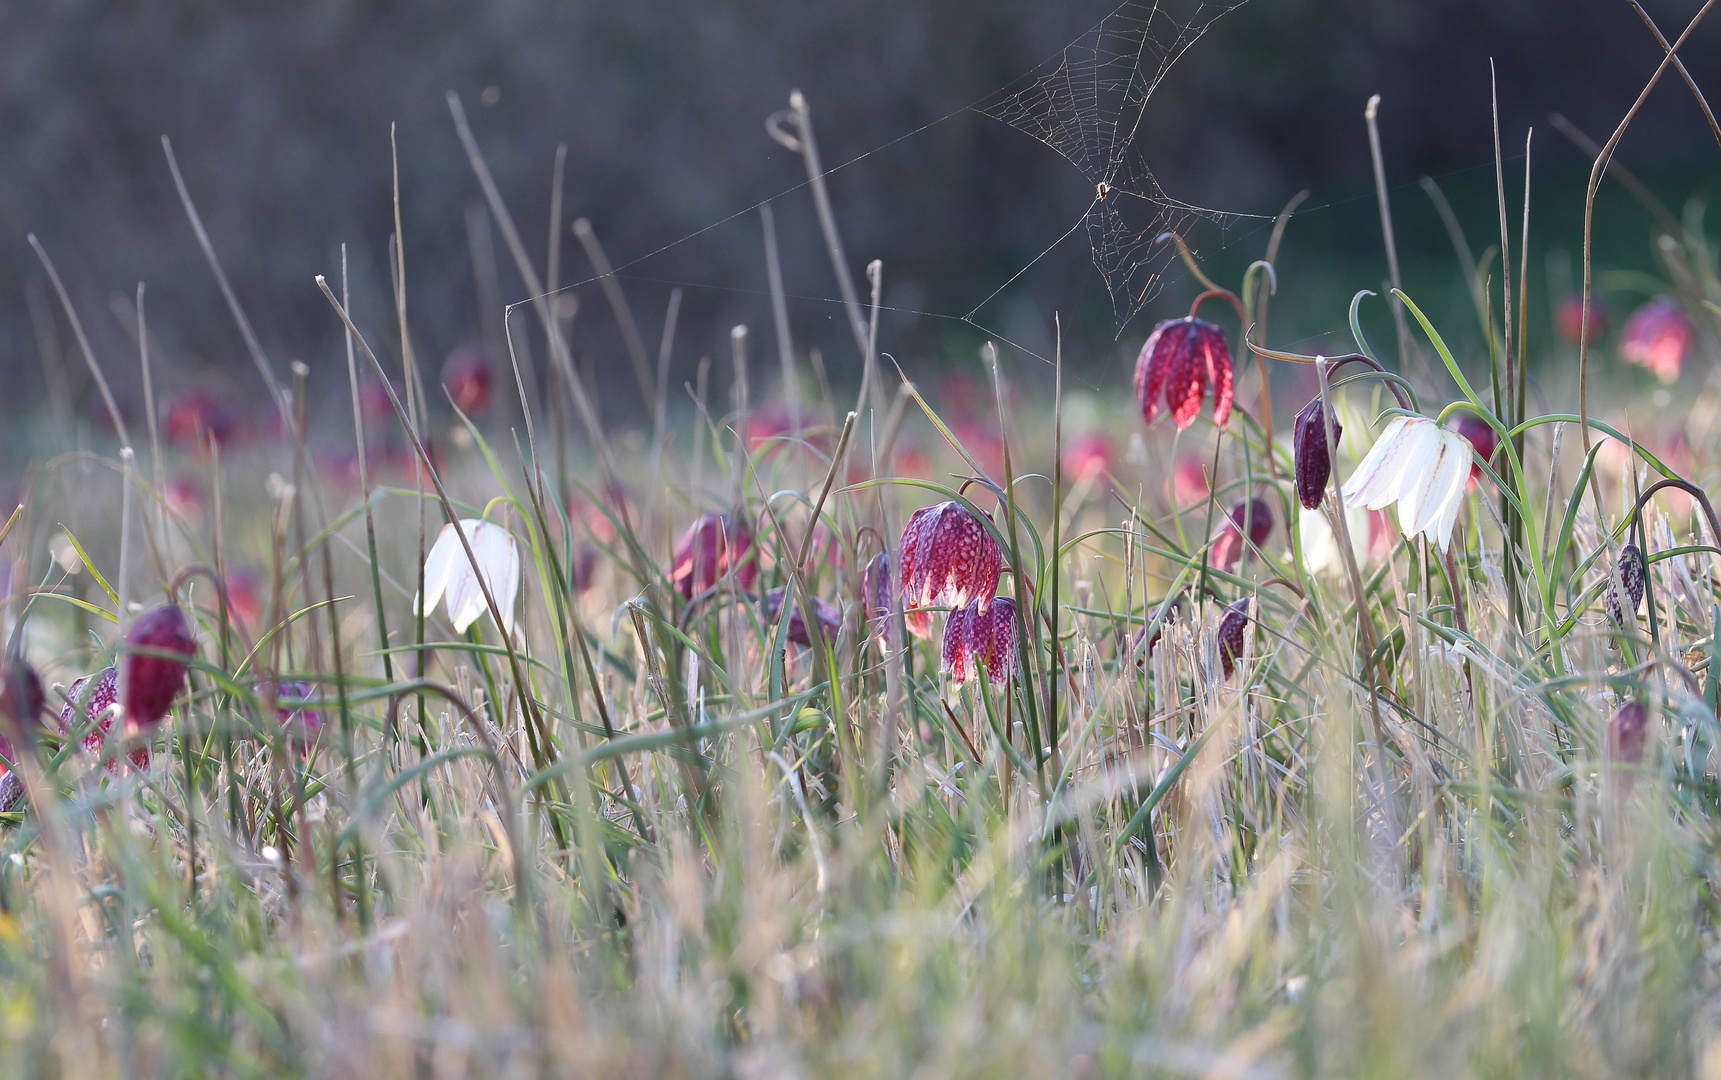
1569,318
1181,359
184,497
1188,481
1656,337
374,403
1254,514
1481,436
470,379
302,726
196,419
949,559
710,549
245,598
1090,455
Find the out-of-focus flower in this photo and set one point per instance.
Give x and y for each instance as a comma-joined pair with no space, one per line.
1627,732
374,403
20,708
301,726
1313,465
244,598
875,595
1188,481
829,615
948,559
1423,468
470,378
1627,584
1569,318
448,572
1483,437
712,547
184,497
1091,455
195,418
980,639
1181,359
1656,337
1251,515
983,444
1232,627
150,682
96,700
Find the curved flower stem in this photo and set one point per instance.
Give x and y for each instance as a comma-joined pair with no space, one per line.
1397,384
1697,493
1189,260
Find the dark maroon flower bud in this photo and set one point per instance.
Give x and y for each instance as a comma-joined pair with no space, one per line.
585,566
829,615
981,639
710,549
96,701
1313,465
149,683
875,595
1628,582
948,559
20,708
1482,436
470,378
1253,514
1627,730
301,726
195,418
1181,359
1232,626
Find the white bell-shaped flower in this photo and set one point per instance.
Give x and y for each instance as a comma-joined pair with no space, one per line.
1423,468
448,573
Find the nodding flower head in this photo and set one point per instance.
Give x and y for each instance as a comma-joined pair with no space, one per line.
1569,318
20,707
1422,467
1181,359
195,418
150,680
1313,464
448,573
1625,590
470,378
980,639
1232,627
1656,337
875,596
301,726
94,697
1627,731
711,548
1483,437
829,615
1253,516
948,559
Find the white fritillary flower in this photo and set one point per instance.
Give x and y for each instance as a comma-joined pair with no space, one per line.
448,573
1422,467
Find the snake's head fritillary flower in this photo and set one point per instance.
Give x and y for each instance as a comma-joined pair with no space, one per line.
875,595
20,708
710,549
1656,337
1625,590
1627,732
1483,437
195,418
470,378
1090,455
302,726
829,615
1569,318
1251,516
96,695
1182,358
448,573
949,559
1422,467
1232,627
1313,465
980,640
150,680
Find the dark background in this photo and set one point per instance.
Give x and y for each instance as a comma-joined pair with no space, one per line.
280,114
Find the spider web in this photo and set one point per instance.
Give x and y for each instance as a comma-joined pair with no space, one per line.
1087,103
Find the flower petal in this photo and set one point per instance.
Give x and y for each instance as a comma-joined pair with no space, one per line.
1449,490
1424,451
1369,484
438,565
1152,367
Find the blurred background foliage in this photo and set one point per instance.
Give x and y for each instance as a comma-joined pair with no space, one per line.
280,113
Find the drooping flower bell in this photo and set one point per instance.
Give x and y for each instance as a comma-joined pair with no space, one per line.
1422,467
1627,732
149,681
448,573
94,697
1626,585
1181,359
949,559
1313,465
1232,627
470,378
1483,437
1656,337
1251,516
829,615
301,726
1569,318
875,596
980,639
711,548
